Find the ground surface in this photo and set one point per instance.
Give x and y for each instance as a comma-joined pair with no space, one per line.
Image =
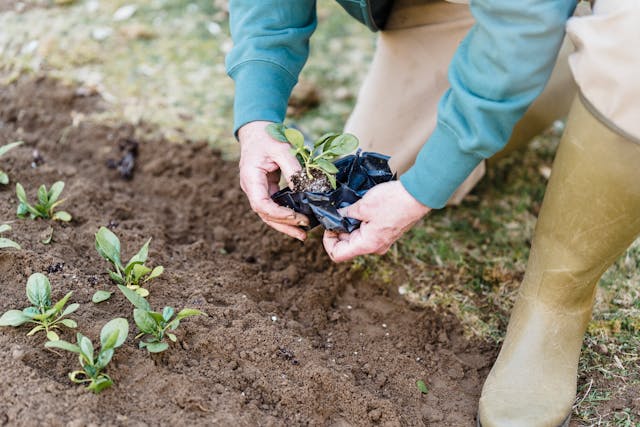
290,339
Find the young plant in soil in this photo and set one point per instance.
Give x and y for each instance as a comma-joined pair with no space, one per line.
45,315
47,202
132,275
7,243
113,335
318,172
154,325
4,178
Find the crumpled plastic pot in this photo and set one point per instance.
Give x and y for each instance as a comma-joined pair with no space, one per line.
357,174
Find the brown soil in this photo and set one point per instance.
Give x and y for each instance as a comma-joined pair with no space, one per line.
291,339
318,183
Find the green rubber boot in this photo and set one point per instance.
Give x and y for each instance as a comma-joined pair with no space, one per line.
590,215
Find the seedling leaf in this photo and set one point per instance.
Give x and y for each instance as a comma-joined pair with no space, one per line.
295,137
145,322
154,347
135,299
52,336
69,323
108,246
39,290
140,257
118,324
187,312
422,387
155,273
55,191
7,243
86,347
14,318
72,307
5,148
101,296
62,216
63,345
276,131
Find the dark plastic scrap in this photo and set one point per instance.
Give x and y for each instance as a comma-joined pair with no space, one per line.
357,174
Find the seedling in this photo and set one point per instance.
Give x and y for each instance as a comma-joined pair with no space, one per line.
4,178
43,314
113,335
316,160
7,243
132,275
47,202
155,325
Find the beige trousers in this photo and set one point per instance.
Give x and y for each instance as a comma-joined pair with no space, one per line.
397,105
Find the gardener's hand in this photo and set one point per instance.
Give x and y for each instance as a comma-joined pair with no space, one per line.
387,211
261,160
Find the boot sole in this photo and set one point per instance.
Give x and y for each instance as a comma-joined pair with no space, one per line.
565,423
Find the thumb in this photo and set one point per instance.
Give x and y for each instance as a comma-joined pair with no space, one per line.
354,211
288,164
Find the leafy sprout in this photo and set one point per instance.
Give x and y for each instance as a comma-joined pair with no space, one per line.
113,335
45,315
156,326
7,243
321,155
132,275
4,178
47,202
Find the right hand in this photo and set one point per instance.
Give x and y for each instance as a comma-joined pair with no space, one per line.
262,159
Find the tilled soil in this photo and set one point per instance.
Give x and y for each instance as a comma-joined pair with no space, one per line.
290,338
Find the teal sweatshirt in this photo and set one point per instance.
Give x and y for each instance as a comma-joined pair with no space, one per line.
497,71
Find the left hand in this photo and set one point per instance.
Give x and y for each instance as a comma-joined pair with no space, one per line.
387,211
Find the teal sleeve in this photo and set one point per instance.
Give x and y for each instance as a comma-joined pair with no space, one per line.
271,45
496,73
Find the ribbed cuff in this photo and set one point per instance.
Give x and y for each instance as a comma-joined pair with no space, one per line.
262,91
440,168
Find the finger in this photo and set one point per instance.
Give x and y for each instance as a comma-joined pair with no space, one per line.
288,163
256,189
351,246
354,211
289,230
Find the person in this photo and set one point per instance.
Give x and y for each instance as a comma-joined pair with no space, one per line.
591,209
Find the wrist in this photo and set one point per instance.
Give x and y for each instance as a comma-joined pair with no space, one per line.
413,204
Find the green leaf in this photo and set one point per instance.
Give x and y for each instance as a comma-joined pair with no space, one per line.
86,347
22,210
62,216
157,271
104,358
69,323
5,148
14,318
35,330
22,196
276,131
110,341
343,144
52,336
140,257
100,296
116,277
155,347
167,313
187,312
145,322
60,304
55,191
172,337
422,387
327,137
332,180
72,307
139,270
157,317
134,298
4,228
295,137
100,383
39,290
31,312
7,243
42,195
118,324
108,246
63,345
48,237
142,292
4,178
326,166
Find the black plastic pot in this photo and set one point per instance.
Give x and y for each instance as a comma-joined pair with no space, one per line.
357,174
